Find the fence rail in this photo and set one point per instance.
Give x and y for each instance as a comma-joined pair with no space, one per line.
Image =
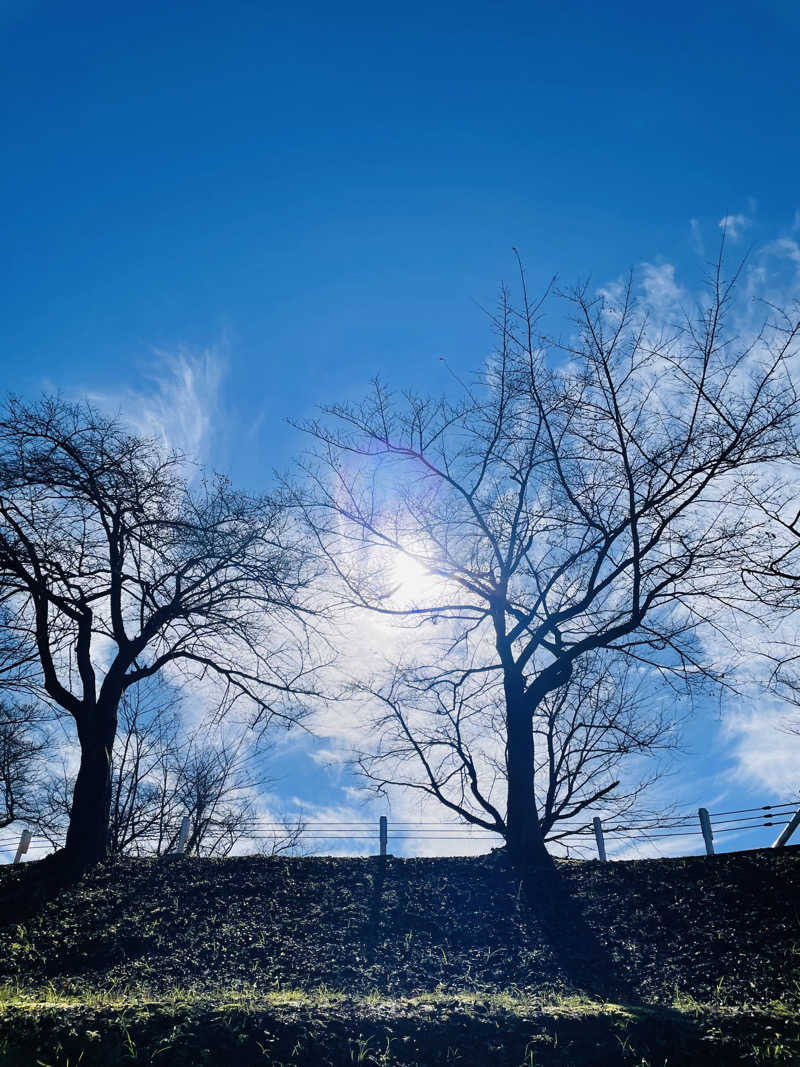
785,816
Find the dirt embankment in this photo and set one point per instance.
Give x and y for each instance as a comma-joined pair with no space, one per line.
659,937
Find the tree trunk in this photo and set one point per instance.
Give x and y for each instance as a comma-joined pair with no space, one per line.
523,836
87,834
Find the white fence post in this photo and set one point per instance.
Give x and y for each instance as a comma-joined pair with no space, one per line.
598,836
787,831
22,847
705,826
384,834
183,835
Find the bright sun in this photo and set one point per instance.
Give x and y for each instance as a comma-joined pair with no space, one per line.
411,580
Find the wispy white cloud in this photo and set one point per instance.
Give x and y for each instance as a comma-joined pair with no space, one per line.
735,225
661,291
697,237
178,401
785,248
644,848
766,754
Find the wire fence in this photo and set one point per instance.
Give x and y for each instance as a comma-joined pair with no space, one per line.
575,832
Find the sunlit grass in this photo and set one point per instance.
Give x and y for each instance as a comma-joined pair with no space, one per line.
515,1001
134,1024
252,999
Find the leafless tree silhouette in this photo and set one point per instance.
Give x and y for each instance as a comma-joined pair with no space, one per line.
161,773
584,494
445,737
110,556
772,574
24,744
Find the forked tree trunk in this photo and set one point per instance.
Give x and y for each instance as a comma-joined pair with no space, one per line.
524,838
88,831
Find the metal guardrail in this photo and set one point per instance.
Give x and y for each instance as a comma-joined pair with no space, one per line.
652,828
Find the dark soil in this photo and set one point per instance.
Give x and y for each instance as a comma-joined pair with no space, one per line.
723,930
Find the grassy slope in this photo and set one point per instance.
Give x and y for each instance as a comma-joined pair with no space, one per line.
410,962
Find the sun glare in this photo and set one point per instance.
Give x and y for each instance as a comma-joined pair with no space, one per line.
411,581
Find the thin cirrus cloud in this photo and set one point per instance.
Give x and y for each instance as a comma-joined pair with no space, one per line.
735,225
765,745
661,291
179,401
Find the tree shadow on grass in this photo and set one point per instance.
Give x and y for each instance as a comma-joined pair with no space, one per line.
32,885
378,864
583,959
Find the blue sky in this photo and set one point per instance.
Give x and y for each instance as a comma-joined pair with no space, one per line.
230,213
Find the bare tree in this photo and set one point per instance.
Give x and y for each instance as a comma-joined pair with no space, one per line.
218,783
19,662
585,494
445,737
24,739
113,566
145,813
285,836
161,773
772,575
216,787
24,745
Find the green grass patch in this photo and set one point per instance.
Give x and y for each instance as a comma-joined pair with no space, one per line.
54,1027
